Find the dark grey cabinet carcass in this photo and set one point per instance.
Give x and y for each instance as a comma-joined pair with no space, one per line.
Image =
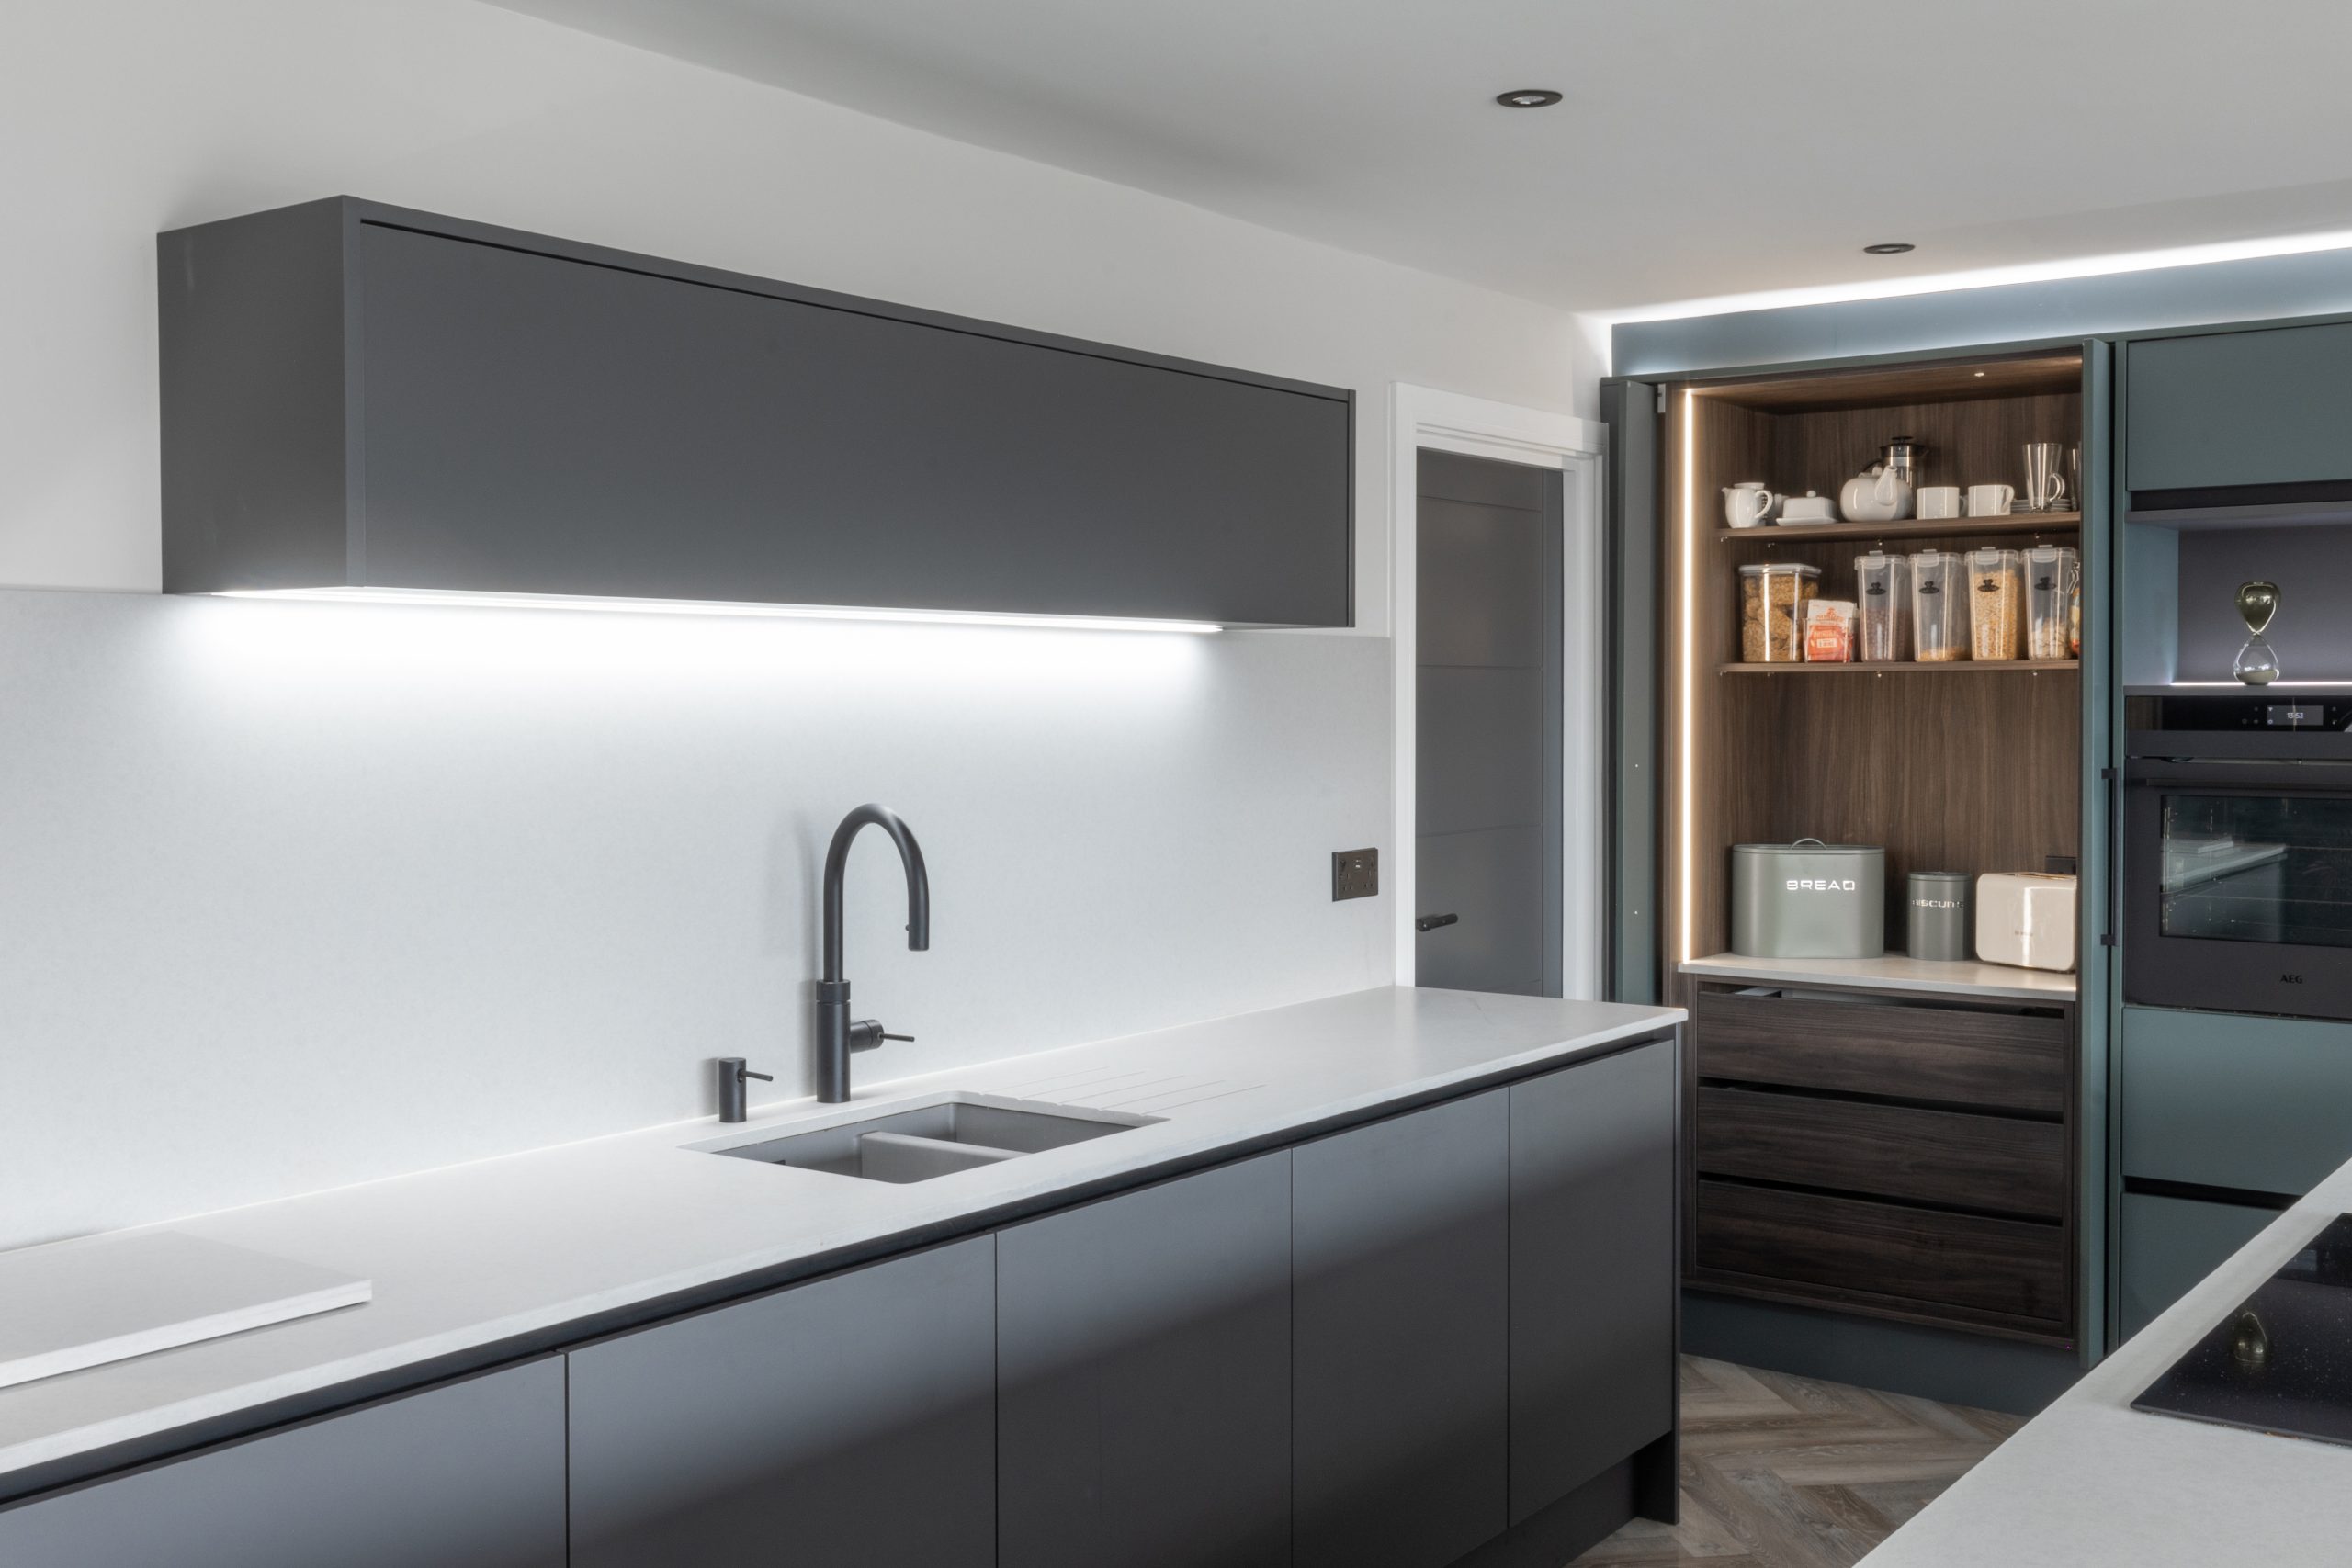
1400,1281
358,396
1143,1367
849,1422
2239,409
1592,1270
467,1475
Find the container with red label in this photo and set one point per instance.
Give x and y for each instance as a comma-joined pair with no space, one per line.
1829,631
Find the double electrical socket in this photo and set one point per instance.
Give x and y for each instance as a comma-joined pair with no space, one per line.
1355,874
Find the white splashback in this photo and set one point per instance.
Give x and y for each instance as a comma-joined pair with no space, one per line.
298,895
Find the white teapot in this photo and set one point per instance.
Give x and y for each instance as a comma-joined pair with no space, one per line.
1879,493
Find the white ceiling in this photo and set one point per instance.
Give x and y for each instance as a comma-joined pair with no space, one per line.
1706,148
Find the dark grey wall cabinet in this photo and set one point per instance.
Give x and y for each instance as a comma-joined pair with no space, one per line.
850,1421
467,1475
1400,1274
2231,409
1592,1270
1143,1365
358,396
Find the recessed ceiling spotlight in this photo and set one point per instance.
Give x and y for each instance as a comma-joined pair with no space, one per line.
1527,98
1889,248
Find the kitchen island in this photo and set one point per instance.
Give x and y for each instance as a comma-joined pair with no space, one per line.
1223,1327
2092,1480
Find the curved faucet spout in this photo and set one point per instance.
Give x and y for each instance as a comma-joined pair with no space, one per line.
918,881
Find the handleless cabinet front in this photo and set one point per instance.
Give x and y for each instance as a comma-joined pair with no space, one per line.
467,1475
849,1422
1592,1270
1143,1365
1400,1307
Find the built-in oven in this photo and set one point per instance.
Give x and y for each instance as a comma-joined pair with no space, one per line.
2237,856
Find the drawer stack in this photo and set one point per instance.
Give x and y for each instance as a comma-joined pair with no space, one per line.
1897,1156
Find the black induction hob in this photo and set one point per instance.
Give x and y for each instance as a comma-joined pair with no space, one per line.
2281,1362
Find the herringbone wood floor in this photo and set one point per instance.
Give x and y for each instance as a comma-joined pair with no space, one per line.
1780,1472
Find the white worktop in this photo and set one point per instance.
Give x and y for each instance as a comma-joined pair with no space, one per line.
474,1254
1892,972
2091,1481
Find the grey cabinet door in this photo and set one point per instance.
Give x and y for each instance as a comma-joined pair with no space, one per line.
2266,407
467,1475
1143,1367
850,1422
1400,1281
546,425
1592,1270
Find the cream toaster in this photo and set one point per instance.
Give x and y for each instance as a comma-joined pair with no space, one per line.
2026,919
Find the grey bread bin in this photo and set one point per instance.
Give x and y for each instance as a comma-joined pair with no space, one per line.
1808,900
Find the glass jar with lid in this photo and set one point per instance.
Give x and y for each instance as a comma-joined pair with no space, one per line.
1773,599
2054,576
1883,616
1995,604
1939,607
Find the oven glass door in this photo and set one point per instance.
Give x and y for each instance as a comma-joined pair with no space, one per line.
2265,868
2238,888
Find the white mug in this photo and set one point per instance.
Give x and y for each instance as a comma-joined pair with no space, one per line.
1939,500
1990,500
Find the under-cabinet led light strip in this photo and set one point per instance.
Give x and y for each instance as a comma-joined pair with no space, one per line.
1690,646
701,607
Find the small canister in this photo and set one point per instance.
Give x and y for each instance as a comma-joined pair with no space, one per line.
1940,921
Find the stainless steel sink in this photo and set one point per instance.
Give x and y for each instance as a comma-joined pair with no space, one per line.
919,1142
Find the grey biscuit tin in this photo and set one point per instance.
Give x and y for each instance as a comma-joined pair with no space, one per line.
1808,900
1938,918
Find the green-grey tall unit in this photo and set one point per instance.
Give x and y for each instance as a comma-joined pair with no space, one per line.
2233,463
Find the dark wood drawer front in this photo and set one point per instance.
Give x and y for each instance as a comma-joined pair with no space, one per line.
1885,1151
1918,1255
1995,1060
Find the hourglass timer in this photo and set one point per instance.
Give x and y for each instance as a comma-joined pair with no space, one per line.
2257,663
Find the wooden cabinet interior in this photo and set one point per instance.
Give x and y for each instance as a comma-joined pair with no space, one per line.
1974,775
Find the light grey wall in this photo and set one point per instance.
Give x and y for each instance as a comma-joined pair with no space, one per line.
2313,630
299,894
296,896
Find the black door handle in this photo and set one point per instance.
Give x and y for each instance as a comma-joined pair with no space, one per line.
1431,923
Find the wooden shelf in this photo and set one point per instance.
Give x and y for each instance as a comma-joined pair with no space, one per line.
2016,523
1953,667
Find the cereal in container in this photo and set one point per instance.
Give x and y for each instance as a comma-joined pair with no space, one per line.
1995,604
2053,578
1773,599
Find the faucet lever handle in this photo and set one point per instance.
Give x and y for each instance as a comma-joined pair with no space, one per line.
868,1035
908,1038
742,1073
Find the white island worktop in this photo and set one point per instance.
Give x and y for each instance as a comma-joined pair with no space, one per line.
472,1256
2091,1481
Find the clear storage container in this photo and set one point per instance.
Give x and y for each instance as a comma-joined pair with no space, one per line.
1939,607
1773,599
1995,604
1882,621
2053,575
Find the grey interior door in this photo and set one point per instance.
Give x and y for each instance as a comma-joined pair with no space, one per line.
1487,731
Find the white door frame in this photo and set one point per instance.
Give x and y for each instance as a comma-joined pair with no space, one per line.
1479,427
